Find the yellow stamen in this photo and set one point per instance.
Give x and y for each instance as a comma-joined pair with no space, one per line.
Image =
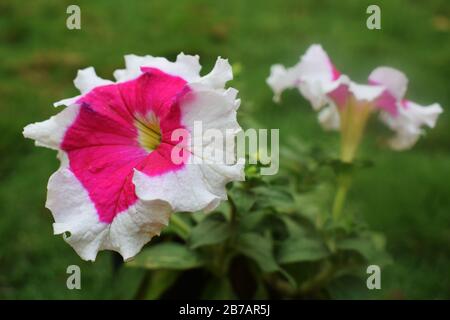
149,131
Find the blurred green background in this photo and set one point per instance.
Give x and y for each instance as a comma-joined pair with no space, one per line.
406,195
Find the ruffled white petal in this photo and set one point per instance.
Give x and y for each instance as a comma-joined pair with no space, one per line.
365,92
186,67
196,187
409,123
311,75
279,80
87,79
76,217
315,64
219,75
134,227
66,102
394,80
359,91
50,133
329,118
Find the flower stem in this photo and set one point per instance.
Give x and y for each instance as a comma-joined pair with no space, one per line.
143,286
344,181
233,211
181,227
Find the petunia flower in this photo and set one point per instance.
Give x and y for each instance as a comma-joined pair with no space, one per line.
346,106
118,182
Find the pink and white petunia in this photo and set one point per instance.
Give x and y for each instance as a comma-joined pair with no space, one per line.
118,182
345,105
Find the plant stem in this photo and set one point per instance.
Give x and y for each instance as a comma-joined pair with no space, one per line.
344,181
233,211
319,280
143,286
225,250
183,228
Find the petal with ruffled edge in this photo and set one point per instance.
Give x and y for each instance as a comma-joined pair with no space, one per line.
185,66
409,122
85,81
280,79
395,83
329,118
310,75
340,91
50,133
76,217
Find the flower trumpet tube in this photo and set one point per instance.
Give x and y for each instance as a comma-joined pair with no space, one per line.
118,184
346,106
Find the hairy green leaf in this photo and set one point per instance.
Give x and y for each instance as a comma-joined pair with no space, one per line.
160,282
298,249
172,256
211,230
259,249
370,248
219,289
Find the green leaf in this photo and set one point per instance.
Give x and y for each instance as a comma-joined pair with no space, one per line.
299,249
350,288
180,225
160,282
219,289
242,199
293,227
275,197
211,230
171,256
259,249
125,282
371,248
250,220
261,292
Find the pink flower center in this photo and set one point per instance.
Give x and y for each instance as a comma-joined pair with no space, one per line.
122,127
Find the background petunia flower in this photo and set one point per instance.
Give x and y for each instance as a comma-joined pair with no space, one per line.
118,184
346,106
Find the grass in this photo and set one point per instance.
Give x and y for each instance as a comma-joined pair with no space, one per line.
406,195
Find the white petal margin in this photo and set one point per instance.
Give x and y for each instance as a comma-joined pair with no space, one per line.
200,184
219,75
50,133
361,92
85,81
280,79
76,217
195,187
185,66
394,80
310,75
329,117
409,123
315,72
